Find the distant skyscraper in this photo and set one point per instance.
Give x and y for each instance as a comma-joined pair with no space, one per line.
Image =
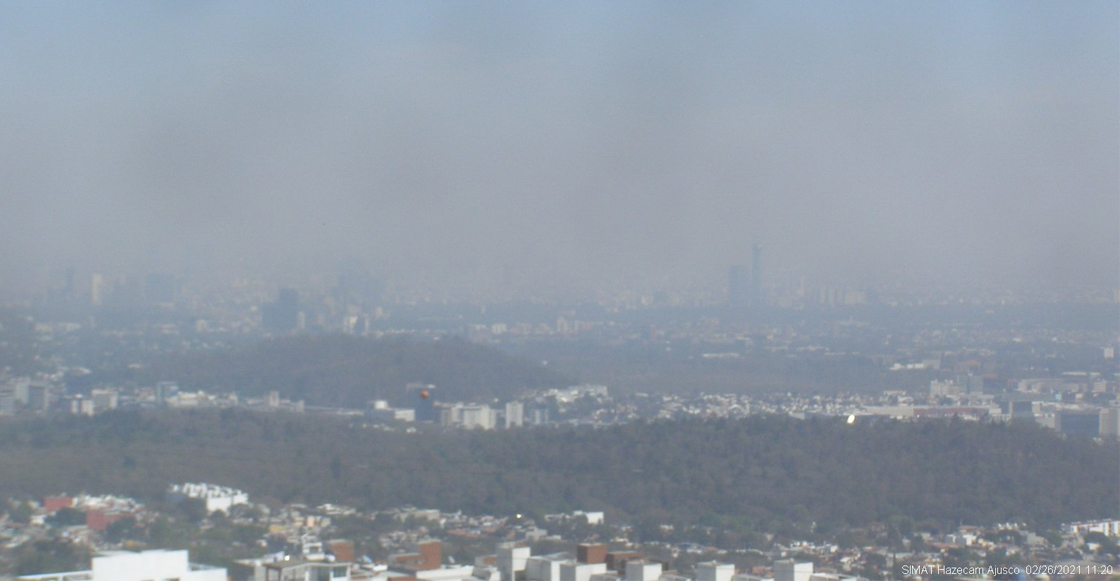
96,289
756,299
738,291
422,397
165,390
283,315
515,414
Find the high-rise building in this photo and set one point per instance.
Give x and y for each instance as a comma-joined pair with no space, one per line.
422,399
591,553
477,416
790,570
38,397
96,289
538,416
283,315
1110,423
714,571
745,289
512,559
165,390
575,571
7,401
756,299
738,291
643,570
105,399
515,414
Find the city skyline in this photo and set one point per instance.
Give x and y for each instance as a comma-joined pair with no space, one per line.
458,291
565,146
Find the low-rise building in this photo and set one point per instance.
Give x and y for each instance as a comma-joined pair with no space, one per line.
142,566
218,498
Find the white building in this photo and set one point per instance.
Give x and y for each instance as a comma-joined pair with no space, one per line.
477,416
576,571
143,566
512,560
943,388
515,414
446,573
388,414
1110,422
545,567
713,571
788,570
593,518
105,399
960,539
298,570
1109,528
641,570
217,497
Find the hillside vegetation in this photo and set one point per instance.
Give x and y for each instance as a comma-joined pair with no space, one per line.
343,370
760,472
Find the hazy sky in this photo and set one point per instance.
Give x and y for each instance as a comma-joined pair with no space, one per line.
552,143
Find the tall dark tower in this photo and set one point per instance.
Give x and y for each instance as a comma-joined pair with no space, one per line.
283,315
756,276
738,293
422,397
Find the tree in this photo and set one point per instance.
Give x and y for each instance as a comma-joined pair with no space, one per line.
1106,545
21,513
50,556
120,530
999,558
193,509
66,517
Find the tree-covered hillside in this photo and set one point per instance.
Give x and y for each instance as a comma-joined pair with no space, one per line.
343,370
762,472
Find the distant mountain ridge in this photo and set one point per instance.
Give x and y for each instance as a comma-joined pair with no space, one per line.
349,371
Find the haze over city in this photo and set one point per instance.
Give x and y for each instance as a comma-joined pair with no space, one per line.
563,146
572,291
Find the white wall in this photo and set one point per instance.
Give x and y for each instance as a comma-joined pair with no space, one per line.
576,571
125,566
788,570
542,569
715,571
511,560
643,571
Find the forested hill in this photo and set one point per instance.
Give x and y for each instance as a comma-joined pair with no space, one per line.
343,370
763,472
